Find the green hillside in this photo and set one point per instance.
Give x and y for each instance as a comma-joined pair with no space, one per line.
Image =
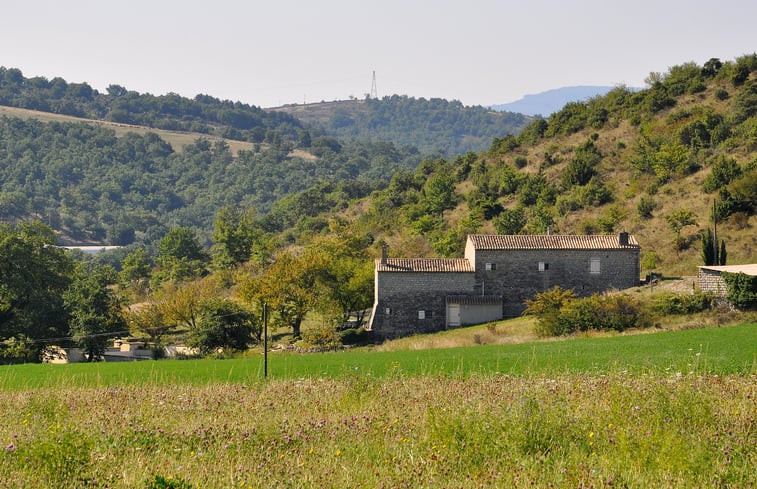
93,186
651,162
429,125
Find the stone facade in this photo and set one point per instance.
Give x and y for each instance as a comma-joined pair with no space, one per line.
414,295
712,281
401,296
521,274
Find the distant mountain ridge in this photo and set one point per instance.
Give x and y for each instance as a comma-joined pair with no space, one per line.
546,103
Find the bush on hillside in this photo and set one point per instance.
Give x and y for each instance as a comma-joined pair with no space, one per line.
742,290
560,313
668,303
356,337
323,337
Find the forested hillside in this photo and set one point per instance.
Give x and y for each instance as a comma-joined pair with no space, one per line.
651,162
429,125
92,186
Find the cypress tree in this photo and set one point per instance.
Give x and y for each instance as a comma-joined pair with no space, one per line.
723,252
708,248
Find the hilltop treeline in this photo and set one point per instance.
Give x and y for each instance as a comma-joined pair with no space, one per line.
430,125
203,114
433,124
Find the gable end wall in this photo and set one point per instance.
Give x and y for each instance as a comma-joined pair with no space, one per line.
407,293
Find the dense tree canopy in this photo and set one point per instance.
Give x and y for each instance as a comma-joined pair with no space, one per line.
34,275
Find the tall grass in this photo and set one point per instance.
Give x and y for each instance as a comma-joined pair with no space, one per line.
674,409
570,430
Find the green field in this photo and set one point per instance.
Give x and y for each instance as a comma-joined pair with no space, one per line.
669,409
724,350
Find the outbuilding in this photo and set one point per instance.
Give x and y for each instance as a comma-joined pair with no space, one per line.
711,277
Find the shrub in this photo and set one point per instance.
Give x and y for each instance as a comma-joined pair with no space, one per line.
721,94
669,303
559,312
645,207
742,290
621,312
724,171
323,336
521,161
356,336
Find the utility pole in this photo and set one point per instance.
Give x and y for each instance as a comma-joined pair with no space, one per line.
715,232
265,340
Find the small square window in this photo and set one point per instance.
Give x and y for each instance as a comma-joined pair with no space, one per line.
594,266
543,266
388,311
421,314
491,266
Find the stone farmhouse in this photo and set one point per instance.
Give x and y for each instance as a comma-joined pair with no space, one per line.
493,280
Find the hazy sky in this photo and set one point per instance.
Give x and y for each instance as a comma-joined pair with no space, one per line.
267,53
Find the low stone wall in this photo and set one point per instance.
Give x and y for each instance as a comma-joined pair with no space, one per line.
712,281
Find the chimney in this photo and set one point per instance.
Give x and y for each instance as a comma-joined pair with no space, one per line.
549,230
384,250
623,239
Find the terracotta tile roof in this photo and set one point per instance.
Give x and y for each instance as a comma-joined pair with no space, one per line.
550,242
424,265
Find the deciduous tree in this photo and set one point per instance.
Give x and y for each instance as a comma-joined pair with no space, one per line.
94,310
34,273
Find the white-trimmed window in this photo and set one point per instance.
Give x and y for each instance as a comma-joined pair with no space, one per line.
388,311
491,266
543,266
594,266
421,314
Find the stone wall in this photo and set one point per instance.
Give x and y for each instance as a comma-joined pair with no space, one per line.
401,295
712,281
518,274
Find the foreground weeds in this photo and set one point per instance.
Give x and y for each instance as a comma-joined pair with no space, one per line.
616,430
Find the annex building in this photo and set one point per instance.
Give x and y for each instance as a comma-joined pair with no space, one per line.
493,280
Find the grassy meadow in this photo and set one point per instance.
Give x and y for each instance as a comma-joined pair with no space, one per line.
724,350
670,409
